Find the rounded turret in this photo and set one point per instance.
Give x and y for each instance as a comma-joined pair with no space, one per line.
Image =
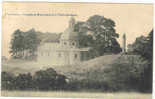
69,33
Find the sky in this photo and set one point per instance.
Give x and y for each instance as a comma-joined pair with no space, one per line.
132,19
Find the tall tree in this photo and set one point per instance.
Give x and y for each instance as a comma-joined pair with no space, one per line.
24,44
31,41
144,47
98,33
17,44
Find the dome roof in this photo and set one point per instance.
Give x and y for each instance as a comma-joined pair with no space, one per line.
69,33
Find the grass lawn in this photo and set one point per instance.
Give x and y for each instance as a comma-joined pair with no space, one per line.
130,95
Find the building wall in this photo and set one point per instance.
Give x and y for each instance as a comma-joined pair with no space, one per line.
69,44
47,54
74,57
55,54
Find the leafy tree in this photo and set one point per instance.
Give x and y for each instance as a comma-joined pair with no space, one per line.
139,45
46,79
148,55
98,33
17,44
31,42
144,47
24,44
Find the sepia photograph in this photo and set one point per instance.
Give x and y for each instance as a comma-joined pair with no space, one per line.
77,50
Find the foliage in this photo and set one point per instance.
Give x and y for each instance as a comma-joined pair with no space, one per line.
144,46
24,44
16,43
45,76
98,33
42,80
23,82
7,81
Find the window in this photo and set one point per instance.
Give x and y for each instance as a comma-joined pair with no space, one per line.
65,43
59,55
75,55
73,43
48,54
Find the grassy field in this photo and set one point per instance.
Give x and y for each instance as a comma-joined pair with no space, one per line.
77,94
21,66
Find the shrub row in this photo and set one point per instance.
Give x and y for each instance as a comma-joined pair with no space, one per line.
47,79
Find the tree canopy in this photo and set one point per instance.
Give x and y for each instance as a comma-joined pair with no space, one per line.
24,44
143,46
98,33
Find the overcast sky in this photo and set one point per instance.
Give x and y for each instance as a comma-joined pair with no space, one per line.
132,19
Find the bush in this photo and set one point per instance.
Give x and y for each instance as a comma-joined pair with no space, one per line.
7,81
60,82
42,80
45,79
23,82
49,80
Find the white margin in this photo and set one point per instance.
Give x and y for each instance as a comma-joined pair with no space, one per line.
104,1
